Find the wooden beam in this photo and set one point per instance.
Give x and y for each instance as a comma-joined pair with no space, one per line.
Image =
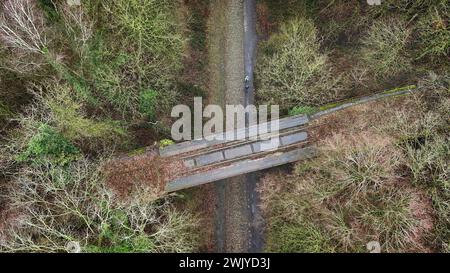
198,144
241,167
366,99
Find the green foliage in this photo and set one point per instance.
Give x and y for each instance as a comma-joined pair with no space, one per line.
305,110
106,51
116,236
116,88
292,70
70,120
139,47
48,144
165,142
384,48
147,103
86,64
151,24
139,244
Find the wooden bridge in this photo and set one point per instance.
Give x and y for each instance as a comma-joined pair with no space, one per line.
208,161
192,163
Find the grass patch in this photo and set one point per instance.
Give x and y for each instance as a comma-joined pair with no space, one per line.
297,238
434,31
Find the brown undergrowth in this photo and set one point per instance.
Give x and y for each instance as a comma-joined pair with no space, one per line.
148,170
359,189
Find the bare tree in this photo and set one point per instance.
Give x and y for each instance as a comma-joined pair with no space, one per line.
22,26
78,24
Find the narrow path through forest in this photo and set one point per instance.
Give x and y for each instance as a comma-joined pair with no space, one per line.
237,215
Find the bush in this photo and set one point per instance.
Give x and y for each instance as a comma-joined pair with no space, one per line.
77,83
434,32
427,157
410,8
384,47
297,238
107,52
147,103
341,21
88,64
136,45
151,28
344,199
58,107
428,162
48,145
150,24
5,112
64,206
292,70
114,77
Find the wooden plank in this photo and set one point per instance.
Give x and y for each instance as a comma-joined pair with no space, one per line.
362,100
244,150
209,158
293,138
197,144
242,167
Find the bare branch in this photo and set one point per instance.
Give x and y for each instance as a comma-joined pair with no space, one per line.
22,26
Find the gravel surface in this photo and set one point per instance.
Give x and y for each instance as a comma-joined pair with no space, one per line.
237,218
